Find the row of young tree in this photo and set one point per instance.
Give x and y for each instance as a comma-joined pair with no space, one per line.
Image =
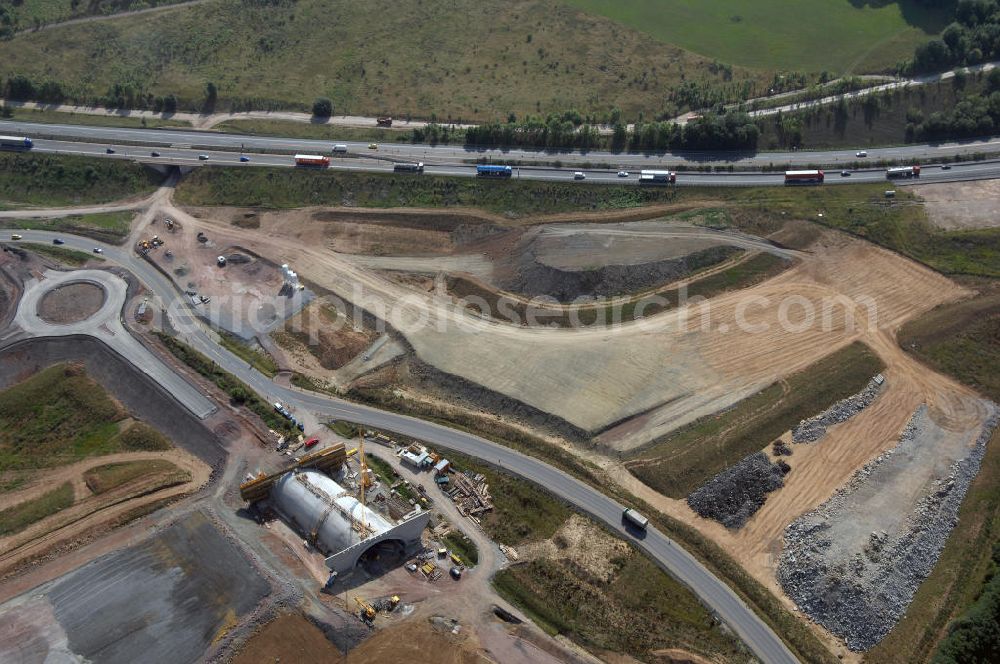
119,95
729,131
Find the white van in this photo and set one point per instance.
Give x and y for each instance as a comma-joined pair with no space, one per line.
579,175
339,148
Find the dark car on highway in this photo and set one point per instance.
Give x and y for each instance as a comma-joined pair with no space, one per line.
58,241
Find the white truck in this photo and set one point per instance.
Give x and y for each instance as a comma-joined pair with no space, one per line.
635,519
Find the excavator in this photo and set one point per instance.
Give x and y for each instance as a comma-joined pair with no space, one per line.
367,612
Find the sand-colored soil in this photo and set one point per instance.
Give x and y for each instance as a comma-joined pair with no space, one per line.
962,205
666,367
582,542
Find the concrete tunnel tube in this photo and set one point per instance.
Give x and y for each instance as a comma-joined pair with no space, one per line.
331,517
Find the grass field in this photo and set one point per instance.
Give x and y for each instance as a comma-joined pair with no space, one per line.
640,610
110,227
239,393
20,516
899,224
63,180
57,416
105,478
521,511
454,59
31,13
286,188
839,36
462,547
958,577
961,340
62,254
260,360
681,462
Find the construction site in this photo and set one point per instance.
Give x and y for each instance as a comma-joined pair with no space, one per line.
802,440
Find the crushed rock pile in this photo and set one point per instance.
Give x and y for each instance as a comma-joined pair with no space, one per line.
861,599
811,430
735,494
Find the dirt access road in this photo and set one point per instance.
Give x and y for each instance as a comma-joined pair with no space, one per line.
90,511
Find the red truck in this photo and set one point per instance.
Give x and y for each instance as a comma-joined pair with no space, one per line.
312,160
803,177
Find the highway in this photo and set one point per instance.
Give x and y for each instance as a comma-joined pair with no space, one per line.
361,159
714,593
188,142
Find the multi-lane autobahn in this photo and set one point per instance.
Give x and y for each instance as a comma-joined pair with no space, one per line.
184,148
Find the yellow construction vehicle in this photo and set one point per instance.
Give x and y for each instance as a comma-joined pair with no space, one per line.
393,602
367,612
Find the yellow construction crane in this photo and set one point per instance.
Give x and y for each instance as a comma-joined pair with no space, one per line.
367,610
364,475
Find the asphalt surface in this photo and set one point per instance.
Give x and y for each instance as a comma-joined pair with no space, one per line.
673,558
367,163
184,147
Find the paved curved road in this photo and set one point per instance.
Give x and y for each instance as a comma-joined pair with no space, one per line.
683,566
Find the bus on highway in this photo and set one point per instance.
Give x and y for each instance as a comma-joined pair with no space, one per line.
491,171
312,160
657,177
409,167
803,177
15,143
903,172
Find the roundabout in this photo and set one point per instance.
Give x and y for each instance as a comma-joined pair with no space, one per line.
97,300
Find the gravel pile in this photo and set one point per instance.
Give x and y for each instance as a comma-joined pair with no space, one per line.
860,598
811,430
735,494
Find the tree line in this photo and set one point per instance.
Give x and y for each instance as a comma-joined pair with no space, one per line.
711,131
972,38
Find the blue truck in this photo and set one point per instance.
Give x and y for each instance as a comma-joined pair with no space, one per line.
490,171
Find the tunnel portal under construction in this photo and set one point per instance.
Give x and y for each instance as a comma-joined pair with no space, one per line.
330,516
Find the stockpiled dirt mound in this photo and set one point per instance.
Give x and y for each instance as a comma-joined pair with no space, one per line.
165,600
607,281
71,303
569,261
